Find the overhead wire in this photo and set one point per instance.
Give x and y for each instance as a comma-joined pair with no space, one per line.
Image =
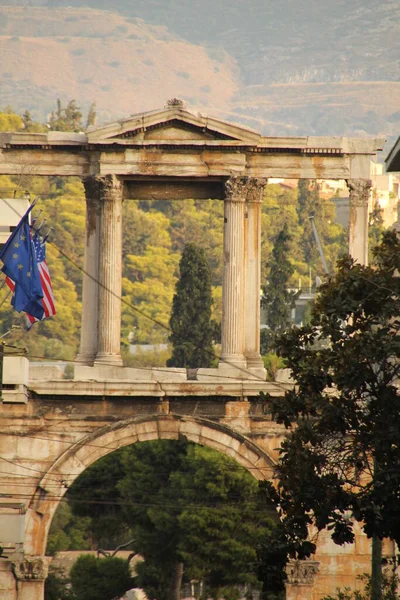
142,313
162,505
79,443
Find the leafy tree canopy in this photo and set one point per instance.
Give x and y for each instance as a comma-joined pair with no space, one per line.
343,455
192,513
95,578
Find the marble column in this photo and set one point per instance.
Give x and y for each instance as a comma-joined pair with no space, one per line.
90,295
252,253
358,224
110,272
233,284
30,574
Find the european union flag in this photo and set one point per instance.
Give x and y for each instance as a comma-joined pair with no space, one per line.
20,265
21,302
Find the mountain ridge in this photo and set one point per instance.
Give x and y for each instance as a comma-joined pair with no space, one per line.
277,67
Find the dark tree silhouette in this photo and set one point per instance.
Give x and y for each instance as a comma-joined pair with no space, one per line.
192,329
277,299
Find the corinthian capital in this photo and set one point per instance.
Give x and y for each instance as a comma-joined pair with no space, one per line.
359,191
240,189
31,567
302,572
255,189
235,189
102,188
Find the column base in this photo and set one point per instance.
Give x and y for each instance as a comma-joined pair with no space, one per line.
254,360
108,359
85,359
257,373
255,365
233,365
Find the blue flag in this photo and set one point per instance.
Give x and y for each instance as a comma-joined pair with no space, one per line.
20,265
21,302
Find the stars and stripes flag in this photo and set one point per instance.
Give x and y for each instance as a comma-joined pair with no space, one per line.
48,296
27,273
20,266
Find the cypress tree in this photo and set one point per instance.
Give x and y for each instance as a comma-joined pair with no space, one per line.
190,322
277,299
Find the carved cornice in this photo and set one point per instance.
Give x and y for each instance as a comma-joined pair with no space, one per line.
240,189
302,572
107,188
359,191
31,568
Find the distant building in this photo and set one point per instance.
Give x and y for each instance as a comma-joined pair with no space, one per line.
11,211
342,205
385,191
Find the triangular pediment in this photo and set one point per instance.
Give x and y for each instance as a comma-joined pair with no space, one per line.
174,125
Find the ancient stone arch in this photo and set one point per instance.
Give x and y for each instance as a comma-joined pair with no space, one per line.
94,446
167,153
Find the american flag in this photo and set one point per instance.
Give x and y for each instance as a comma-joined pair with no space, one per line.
48,296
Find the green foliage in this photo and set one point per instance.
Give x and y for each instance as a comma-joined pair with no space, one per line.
107,525
330,234
192,505
273,554
273,362
149,274
31,126
66,119
63,205
69,371
277,300
375,229
183,505
201,223
91,116
280,203
389,588
68,532
344,454
9,121
148,358
95,578
190,323
57,586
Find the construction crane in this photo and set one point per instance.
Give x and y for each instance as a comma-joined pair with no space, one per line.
320,250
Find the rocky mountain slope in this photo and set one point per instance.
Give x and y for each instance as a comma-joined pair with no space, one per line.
287,67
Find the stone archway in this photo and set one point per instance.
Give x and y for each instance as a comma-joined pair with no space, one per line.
81,455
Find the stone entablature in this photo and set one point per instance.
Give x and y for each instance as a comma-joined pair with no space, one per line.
151,144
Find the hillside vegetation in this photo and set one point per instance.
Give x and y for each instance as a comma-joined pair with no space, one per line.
288,67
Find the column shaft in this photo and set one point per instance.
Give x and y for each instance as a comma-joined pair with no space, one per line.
358,223
90,295
110,272
232,341
252,253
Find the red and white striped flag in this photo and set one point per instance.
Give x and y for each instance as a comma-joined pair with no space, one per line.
48,296
10,283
